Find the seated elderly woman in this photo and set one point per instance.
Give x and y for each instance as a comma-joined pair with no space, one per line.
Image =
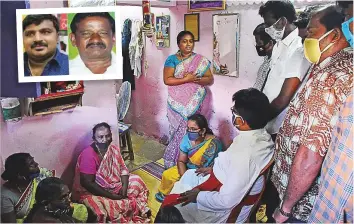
22,175
198,149
53,203
103,183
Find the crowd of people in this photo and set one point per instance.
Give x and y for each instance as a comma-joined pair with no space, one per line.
294,126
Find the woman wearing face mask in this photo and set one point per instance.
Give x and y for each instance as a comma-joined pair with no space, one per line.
53,203
198,149
103,182
264,48
235,172
187,76
22,175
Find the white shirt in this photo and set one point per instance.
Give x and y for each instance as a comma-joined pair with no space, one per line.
237,169
288,61
78,67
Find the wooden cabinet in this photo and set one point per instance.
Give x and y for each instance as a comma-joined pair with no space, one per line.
56,97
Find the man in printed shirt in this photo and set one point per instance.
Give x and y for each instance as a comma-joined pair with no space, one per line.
305,134
334,202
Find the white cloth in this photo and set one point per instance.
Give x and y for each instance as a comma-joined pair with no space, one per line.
288,61
77,67
136,48
237,169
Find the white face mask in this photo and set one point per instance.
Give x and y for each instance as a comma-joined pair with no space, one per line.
275,34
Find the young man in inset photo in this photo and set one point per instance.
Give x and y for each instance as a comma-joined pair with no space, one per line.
40,38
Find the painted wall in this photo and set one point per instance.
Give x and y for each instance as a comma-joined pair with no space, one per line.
56,140
147,111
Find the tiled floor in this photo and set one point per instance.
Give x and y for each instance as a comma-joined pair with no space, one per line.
146,150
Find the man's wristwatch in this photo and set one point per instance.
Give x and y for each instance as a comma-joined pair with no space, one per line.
286,214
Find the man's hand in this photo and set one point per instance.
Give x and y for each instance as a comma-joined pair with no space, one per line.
189,196
279,218
203,171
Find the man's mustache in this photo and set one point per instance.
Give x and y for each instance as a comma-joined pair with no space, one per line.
39,44
97,44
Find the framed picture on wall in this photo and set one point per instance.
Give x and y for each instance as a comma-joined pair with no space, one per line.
226,44
191,23
162,31
206,5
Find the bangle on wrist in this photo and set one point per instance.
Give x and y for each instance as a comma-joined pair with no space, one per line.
286,214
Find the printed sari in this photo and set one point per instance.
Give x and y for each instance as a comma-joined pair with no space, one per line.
199,156
183,101
108,176
27,199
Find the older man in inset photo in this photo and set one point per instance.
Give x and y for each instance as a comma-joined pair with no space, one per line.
42,56
93,34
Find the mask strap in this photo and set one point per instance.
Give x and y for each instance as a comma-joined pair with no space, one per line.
326,48
349,20
326,34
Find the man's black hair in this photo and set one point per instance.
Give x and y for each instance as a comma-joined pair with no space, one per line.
283,8
38,19
81,16
253,106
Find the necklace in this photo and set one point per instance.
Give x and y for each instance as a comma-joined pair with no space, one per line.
183,57
98,150
29,66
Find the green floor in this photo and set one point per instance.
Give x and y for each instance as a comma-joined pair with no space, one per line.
146,150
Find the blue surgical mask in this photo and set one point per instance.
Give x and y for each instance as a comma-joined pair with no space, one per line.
192,136
346,31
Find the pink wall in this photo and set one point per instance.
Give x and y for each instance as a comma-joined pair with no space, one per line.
56,140
147,111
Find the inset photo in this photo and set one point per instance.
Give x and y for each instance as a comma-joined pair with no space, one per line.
69,44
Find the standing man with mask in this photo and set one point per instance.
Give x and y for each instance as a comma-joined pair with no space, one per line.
40,38
94,36
264,47
306,132
288,65
338,164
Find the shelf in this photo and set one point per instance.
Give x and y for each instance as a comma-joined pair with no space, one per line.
153,3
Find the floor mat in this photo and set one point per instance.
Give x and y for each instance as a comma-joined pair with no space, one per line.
151,175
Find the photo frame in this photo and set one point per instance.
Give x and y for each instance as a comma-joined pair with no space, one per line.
162,31
191,23
226,44
198,6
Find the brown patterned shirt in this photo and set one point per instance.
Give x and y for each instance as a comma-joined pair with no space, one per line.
310,120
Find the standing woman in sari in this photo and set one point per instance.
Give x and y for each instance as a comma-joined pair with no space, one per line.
198,149
186,74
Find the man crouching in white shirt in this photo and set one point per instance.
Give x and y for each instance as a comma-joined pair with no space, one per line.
235,171
94,36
